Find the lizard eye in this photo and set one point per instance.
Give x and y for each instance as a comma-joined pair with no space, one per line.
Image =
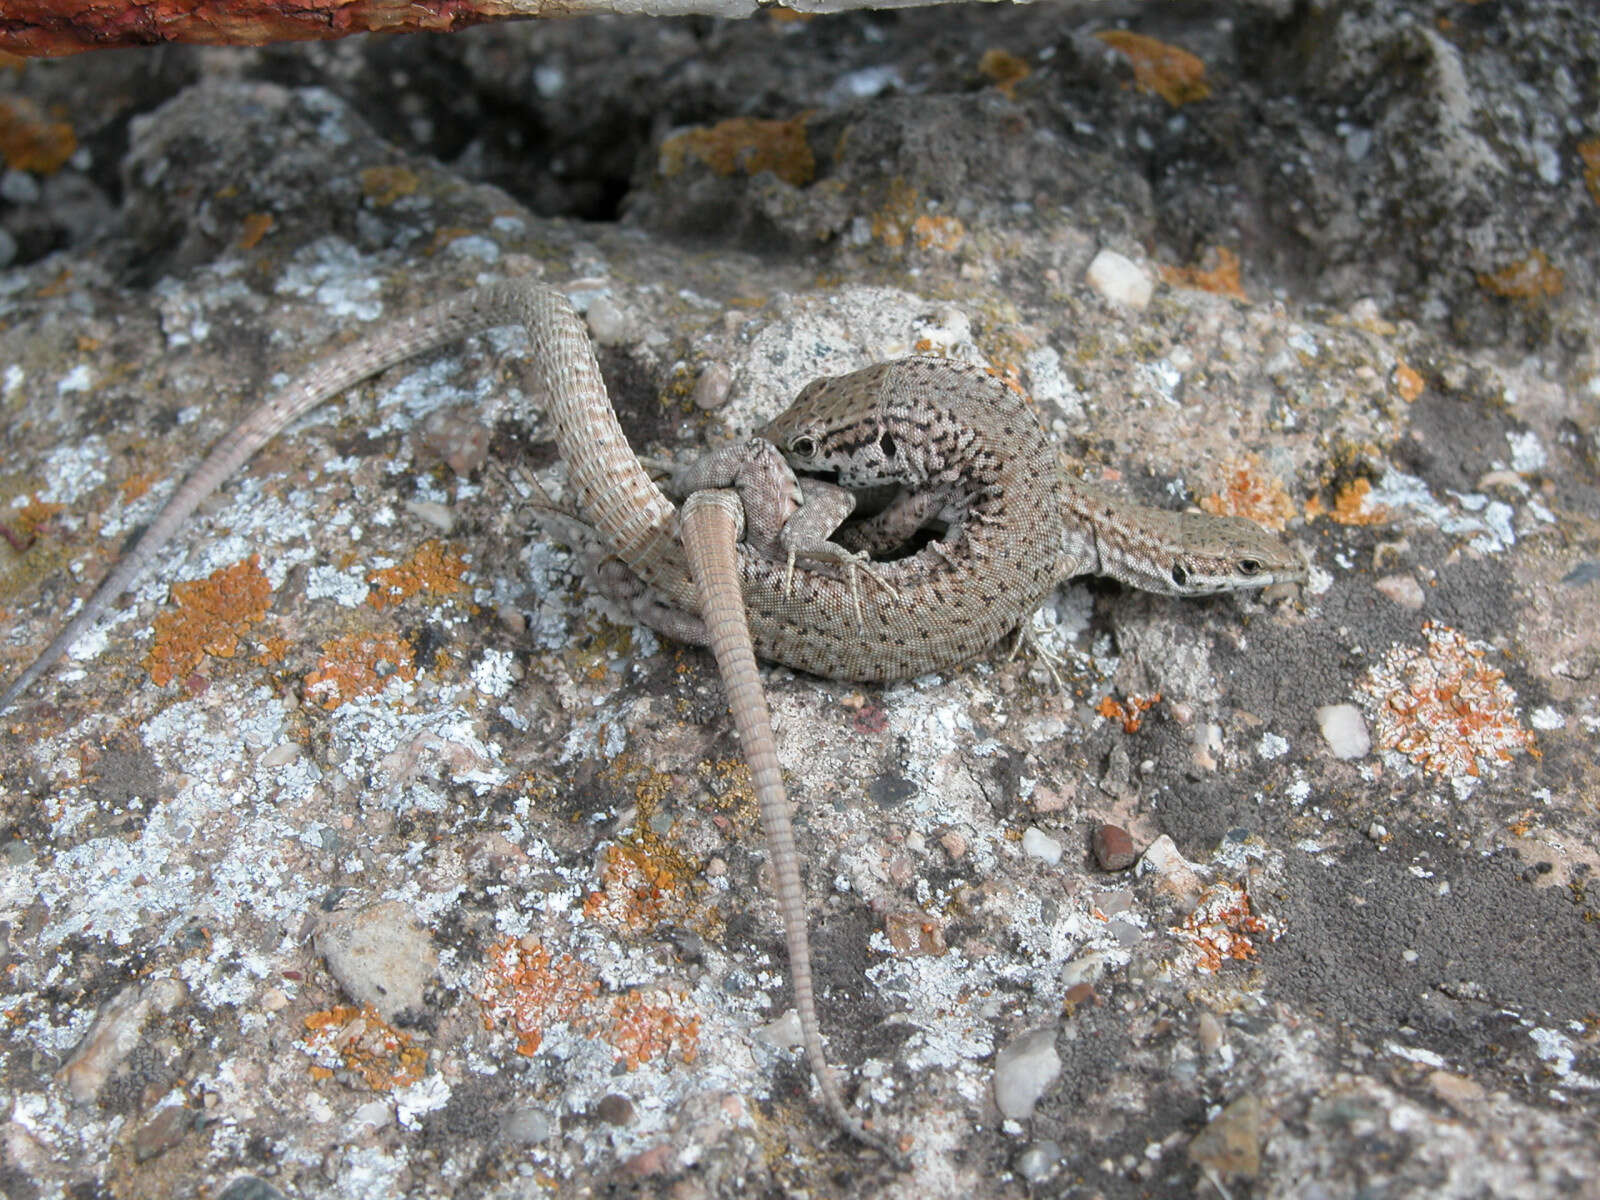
886,444
1249,566
1180,575
804,446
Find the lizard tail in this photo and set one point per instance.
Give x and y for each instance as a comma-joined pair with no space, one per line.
711,522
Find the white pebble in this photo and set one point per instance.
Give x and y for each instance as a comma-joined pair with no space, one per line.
1345,730
1041,845
1024,1071
1120,280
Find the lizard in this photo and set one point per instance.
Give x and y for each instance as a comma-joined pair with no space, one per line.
931,610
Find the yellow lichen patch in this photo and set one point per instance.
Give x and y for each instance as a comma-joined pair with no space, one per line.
1529,278
894,219
1221,279
211,617
1252,493
256,227
30,140
435,568
358,664
937,233
384,185
527,988
1175,75
1589,153
1221,927
135,486
1006,69
1444,707
649,1023
1353,505
26,521
728,781
745,144
361,1042
1130,711
1407,381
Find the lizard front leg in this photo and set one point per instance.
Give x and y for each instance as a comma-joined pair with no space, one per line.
785,516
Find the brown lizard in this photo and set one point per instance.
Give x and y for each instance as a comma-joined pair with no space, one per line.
1014,525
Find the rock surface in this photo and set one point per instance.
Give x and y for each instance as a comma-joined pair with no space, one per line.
1369,231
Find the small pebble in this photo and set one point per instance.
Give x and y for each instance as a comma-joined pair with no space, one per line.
1345,730
712,388
1120,280
248,1187
1402,589
1041,845
1231,1144
526,1126
1113,848
955,845
380,955
608,324
1024,1071
1039,1162
115,1034
1212,1036
783,1032
615,1109
1078,995
162,1132
1174,874
1086,968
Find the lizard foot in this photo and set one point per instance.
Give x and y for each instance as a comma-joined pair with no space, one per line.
854,563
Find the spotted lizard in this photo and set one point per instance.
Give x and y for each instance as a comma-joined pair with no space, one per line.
967,457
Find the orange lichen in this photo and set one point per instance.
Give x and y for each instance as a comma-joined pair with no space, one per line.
358,664
1589,152
648,1024
1174,74
361,1042
1444,707
1353,505
1221,925
1221,279
937,233
1407,381
1006,69
1529,278
255,227
30,140
1252,493
745,144
1130,712
384,185
637,890
528,988
434,568
211,617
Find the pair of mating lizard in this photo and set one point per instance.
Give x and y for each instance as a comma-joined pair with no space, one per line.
747,566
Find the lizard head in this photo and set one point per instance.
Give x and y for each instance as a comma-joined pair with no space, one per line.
1196,554
833,430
